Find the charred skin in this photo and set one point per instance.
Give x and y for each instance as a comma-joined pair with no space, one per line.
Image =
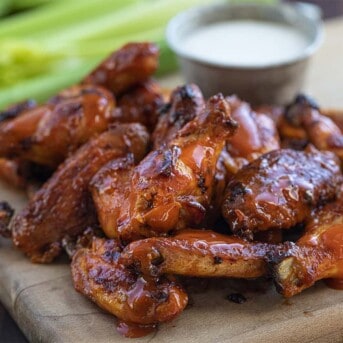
63,206
199,253
256,135
122,291
316,255
140,104
111,186
186,102
47,134
303,122
172,187
132,64
280,189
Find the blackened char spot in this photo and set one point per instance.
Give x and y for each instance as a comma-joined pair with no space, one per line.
237,298
294,110
237,190
165,167
187,92
161,296
201,184
164,109
217,260
16,110
26,143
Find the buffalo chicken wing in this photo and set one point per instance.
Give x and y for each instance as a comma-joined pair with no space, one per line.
63,206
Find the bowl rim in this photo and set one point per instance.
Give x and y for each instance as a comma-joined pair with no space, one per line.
299,7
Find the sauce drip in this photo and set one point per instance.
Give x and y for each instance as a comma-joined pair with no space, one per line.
132,330
335,283
247,43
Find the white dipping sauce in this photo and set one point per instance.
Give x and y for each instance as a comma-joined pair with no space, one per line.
246,43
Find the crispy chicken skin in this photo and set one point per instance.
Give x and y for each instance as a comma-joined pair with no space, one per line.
132,64
11,174
279,189
47,134
17,109
199,253
255,136
317,255
112,184
16,132
110,188
172,187
140,104
186,102
63,206
320,130
122,291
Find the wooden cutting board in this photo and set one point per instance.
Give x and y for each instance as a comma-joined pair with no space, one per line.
44,304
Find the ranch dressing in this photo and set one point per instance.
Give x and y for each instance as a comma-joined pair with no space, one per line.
246,43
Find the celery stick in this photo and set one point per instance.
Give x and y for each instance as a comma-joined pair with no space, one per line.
25,4
56,14
131,19
168,61
5,6
42,87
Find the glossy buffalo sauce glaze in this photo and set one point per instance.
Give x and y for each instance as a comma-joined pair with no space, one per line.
132,330
140,302
325,232
199,254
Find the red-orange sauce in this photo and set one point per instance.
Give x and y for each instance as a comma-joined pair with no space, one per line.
335,283
132,330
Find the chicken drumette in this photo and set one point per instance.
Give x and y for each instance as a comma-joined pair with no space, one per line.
172,187
134,298
63,206
317,255
280,189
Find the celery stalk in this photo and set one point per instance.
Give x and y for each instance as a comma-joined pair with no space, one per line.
54,15
131,19
42,87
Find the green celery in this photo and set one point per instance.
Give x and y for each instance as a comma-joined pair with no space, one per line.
55,16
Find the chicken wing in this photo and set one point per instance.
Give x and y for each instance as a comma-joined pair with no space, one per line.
133,298
172,187
110,189
186,102
302,122
140,104
255,136
111,185
279,190
11,174
63,206
317,255
199,253
47,134
128,66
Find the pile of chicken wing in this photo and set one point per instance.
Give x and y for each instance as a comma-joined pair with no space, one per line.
132,180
